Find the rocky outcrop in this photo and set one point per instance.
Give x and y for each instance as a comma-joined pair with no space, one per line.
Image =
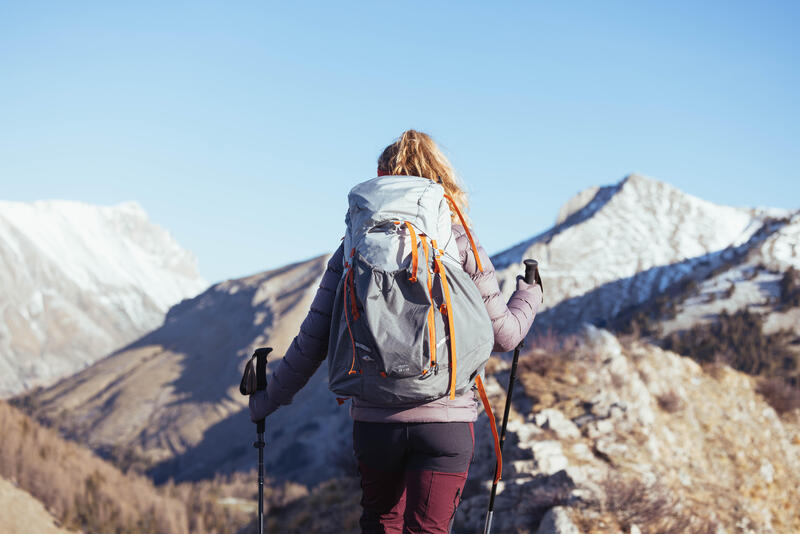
614,436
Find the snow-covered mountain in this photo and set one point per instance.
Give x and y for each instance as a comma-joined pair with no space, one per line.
617,246
78,281
171,397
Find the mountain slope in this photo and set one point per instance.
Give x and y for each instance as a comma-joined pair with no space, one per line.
170,399
78,281
87,494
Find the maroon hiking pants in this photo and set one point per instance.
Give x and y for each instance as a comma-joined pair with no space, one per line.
412,474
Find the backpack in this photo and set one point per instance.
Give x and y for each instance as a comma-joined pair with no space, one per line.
408,323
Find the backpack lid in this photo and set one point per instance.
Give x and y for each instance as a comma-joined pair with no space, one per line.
419,201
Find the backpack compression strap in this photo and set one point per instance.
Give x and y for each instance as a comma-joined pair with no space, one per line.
414,259
431,312
447,310
349,287
493,425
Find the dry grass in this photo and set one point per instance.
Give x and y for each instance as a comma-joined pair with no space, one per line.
331,508
88,494
781,395
549,351
651,507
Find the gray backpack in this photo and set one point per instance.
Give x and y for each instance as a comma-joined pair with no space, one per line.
408,324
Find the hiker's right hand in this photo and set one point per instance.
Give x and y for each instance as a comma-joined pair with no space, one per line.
536,286
260,406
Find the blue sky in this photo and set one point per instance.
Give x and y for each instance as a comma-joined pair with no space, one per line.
240,126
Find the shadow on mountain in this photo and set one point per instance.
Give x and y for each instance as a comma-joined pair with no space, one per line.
296,436
214,332
224,449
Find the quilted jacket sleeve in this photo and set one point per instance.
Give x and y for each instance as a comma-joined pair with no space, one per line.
308,349
510,321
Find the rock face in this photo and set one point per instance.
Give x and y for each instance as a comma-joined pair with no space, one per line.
78,281
657,436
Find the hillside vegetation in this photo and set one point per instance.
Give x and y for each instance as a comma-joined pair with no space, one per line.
85,493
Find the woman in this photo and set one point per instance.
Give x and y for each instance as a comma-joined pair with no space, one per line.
413,460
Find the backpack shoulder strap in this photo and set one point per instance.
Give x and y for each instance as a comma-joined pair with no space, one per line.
466,229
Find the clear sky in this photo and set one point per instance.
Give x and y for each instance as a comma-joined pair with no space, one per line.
240,126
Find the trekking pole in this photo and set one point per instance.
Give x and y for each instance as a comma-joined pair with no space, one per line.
254,380
531,276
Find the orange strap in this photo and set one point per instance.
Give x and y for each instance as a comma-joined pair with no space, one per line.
351,285
493,425
414,259
466,229
352,370
353,302
431,316
450,326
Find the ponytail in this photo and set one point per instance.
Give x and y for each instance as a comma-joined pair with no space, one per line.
416,154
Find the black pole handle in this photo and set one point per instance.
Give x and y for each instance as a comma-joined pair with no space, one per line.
261,382
261,367
531,271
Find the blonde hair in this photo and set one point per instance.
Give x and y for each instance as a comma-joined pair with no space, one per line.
416,154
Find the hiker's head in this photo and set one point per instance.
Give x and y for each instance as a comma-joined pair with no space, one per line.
416,154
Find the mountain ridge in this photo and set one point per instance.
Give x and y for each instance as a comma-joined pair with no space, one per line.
80,281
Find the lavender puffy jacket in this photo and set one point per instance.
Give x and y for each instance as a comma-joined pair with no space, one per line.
510,322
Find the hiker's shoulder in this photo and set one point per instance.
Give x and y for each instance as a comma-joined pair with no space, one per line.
459,233
335,260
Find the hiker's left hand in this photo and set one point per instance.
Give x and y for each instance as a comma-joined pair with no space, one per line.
260,406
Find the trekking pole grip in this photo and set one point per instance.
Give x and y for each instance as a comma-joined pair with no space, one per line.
261,377
531,271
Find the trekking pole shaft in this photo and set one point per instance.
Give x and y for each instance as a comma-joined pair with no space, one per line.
531,267
511,378
261,478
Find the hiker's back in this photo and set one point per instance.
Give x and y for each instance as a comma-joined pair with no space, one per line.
408,324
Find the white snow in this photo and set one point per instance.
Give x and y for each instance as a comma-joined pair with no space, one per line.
77,281
99,247
781,250
638,227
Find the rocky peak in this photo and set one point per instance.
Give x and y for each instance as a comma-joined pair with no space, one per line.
79,281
